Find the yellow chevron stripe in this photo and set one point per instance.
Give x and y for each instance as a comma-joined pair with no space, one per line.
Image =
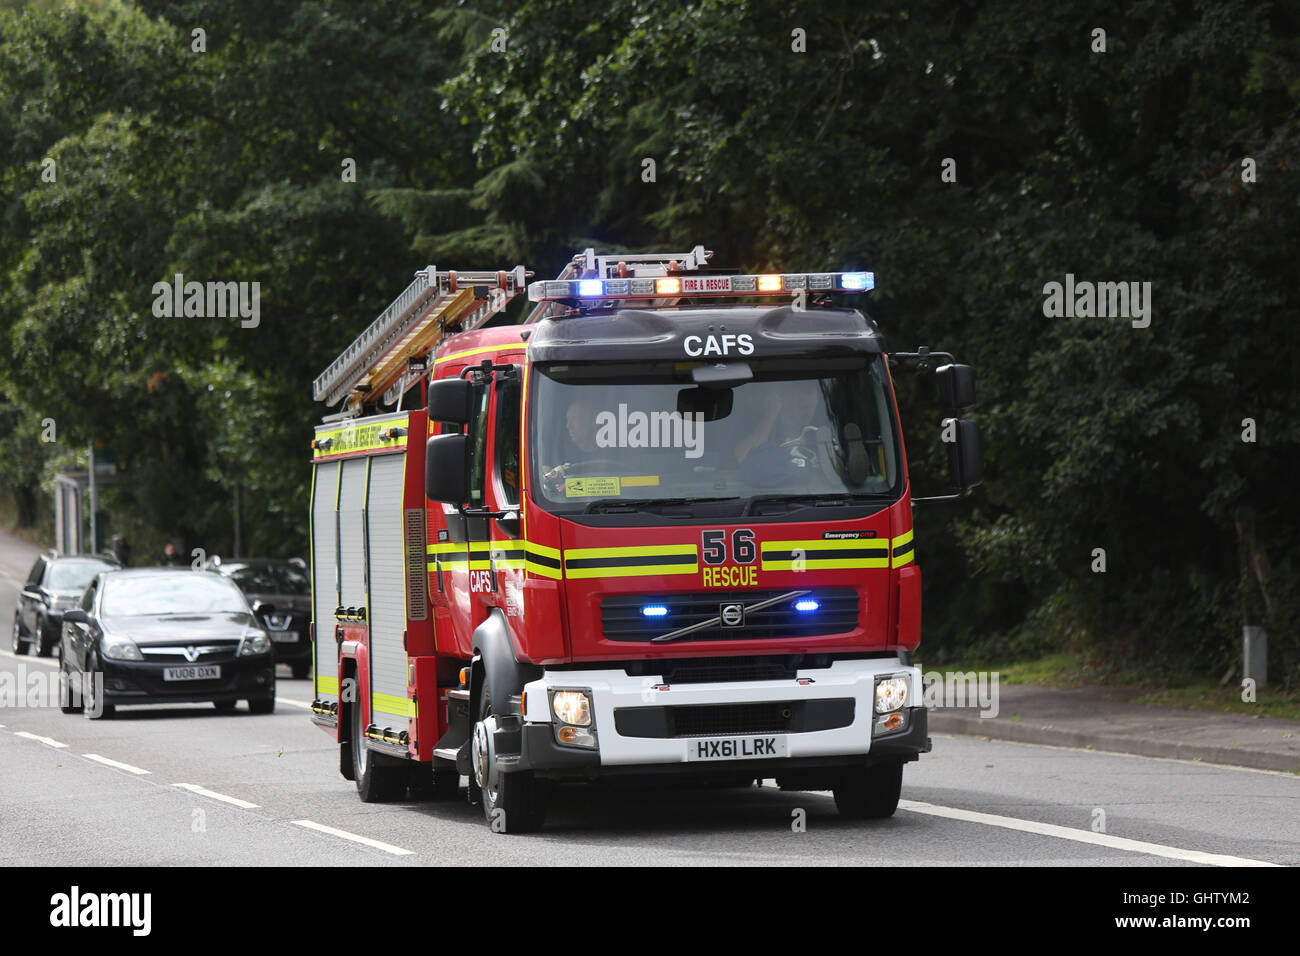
632,570
818,544
639,551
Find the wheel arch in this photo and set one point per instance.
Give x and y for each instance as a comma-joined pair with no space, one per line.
495,663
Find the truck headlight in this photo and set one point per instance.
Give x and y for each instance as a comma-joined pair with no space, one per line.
891,694
121,649
254,642
571,707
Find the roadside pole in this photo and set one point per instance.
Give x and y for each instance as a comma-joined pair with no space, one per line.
94,503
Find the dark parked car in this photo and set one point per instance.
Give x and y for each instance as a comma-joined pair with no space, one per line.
280,593
54,585
164,635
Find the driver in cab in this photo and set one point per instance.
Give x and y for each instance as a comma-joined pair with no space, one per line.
580,429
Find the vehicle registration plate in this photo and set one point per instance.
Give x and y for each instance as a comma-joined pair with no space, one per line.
284,637
196,672
735,748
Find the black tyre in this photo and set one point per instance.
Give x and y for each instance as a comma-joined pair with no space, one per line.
66,697
225,706
261,705
870,793
379,778
16,643
42,644
93,707
518,804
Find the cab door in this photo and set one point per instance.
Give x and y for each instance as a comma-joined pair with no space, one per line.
459,568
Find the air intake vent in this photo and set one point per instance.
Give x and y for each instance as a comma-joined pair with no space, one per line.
417,574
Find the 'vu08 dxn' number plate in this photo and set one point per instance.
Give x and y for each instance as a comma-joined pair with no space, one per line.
198,672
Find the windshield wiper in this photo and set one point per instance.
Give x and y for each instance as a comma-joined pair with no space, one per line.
607,505
828,500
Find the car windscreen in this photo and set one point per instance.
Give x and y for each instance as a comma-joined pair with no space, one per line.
270,579
73,575
646,431
189,592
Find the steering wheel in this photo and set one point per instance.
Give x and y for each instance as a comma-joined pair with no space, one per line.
798,449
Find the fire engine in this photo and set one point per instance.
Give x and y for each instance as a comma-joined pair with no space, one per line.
661,527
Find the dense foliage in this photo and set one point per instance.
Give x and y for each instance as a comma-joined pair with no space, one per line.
784,135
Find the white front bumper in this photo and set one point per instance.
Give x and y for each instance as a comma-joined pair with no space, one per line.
614,689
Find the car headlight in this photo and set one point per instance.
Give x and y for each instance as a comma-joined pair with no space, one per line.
121,649
254,642
571,707
891,694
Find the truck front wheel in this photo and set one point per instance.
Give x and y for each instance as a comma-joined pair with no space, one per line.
870,793
512,802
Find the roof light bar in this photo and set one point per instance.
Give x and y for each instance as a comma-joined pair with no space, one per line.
696,286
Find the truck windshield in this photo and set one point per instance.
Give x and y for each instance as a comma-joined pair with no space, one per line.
604,437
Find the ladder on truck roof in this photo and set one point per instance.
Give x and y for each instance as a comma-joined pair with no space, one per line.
383,360
588,265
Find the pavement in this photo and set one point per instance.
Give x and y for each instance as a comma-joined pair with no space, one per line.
1107,719
1092,718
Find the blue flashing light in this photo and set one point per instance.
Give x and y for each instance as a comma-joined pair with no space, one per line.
654,610
806,605
591,287
858,281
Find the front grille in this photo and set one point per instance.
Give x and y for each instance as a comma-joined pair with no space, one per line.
725,719
210,651
621,618
735,720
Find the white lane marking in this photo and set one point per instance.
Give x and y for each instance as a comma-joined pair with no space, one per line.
213,795
293,703
344,834
48,741
28,659
113,763
1080,836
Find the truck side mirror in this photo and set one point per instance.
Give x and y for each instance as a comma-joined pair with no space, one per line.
956,385
965,457
446,467
449,401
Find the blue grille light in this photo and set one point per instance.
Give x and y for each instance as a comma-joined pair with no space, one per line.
859,281
806,605
654,610
591,287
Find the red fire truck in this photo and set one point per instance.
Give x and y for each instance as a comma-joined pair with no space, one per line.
662,527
